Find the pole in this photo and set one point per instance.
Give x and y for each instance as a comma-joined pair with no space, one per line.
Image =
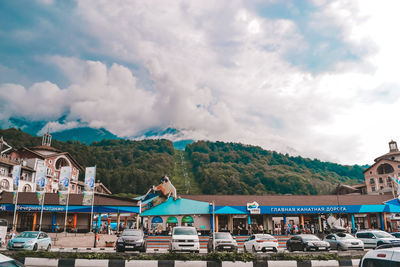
94,186
66,213
15,210
213,206
41,213
91,213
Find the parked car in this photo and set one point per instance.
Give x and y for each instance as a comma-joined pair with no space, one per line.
30,240
261,242
343,241
306,243
374,238
184,238
9,262
396,234
131,239
387,257
223,241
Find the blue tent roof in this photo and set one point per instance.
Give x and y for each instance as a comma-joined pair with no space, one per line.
181,206
229,210
372,208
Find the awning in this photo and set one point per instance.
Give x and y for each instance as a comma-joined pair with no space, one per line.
187,219
157,219
172,219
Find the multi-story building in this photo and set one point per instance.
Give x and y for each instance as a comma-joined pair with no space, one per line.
379,176
31,158
53,159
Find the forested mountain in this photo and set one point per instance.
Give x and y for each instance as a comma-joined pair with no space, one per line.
204,167
231,168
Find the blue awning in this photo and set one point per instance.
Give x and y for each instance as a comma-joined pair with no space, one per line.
180,206
157,219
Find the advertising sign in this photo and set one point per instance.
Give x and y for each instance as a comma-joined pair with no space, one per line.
63,184
41,177
16,172
90,176
253,208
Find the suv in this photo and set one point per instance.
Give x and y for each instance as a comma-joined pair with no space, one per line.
184,238
374,238
131,239
223,241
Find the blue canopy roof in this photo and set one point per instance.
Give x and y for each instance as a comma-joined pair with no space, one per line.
180,206
230,210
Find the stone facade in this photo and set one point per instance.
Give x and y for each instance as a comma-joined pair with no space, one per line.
378,177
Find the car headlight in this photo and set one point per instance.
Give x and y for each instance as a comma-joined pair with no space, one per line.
120,240
30,242
140,241
309,243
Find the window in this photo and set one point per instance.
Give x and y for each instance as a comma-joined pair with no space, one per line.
380,180
27,188
389,180
4,184
2,171
373,188
381,187
372,181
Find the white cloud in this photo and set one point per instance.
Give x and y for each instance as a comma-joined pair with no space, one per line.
219,71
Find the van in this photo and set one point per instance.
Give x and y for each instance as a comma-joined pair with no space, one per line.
184,238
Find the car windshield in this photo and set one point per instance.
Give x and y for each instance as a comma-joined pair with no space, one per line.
345,236
132,233
223,236
310,238
28,235
265,237
185,231
383,235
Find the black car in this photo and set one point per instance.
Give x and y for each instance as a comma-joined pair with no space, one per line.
306,243
131,239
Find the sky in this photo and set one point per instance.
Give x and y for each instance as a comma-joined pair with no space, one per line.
312,78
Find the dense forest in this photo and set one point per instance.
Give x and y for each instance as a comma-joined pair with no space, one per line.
132,167
231,168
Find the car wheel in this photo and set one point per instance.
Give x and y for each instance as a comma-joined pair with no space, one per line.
244,249
254,250
327,249
48,248
305,248
290,248
35,247
275,250
379,243
197,251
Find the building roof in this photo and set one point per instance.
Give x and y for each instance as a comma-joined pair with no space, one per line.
30,198
378,160
49,148
292,200
10,162
180,206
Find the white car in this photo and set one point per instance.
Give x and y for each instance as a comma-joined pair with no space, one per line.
261,242
387,257
374,238
184,238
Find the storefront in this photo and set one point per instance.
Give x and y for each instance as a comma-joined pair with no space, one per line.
29,211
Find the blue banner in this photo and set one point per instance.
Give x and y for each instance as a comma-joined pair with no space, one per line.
56,208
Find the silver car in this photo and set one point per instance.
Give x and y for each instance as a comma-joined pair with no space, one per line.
343,241
223,241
